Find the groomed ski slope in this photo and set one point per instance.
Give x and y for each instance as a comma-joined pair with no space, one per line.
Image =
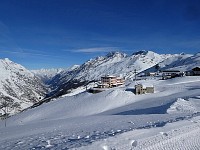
115,118
182,135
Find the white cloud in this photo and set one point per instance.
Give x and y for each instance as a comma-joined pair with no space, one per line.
95,49
26,52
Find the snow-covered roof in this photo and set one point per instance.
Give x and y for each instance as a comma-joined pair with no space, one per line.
103,84
145,85
196,69
109,76
171,71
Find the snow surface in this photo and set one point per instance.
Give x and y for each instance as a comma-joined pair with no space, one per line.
113,119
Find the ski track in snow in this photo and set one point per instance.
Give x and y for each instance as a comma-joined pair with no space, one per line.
181,138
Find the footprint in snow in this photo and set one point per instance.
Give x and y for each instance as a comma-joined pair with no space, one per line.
193,121
20,142
163,133
105,147
48,144
87,137
133,143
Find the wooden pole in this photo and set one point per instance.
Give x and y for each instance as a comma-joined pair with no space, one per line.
5,112
135,74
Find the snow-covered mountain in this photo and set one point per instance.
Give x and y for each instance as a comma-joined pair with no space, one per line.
47,74
115,63
19,88
182,62
61,81
118,64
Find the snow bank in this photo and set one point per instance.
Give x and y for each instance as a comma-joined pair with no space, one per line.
182,106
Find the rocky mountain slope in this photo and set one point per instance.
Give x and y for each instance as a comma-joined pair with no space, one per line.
19,88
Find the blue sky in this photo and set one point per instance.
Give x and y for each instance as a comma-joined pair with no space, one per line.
60,33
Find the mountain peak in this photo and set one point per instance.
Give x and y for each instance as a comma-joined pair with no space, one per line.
116,54
197,54
146,53
141,52
6,60
74,67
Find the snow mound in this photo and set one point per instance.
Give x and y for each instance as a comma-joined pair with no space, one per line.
182,106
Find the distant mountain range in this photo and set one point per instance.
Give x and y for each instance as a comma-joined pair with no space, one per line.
47,74
28,87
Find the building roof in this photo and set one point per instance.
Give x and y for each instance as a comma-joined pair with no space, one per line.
170,71
196,69
109,76
145,85
102,84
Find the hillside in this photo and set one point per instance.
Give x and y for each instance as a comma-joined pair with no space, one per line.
182,62
89,121
19,88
